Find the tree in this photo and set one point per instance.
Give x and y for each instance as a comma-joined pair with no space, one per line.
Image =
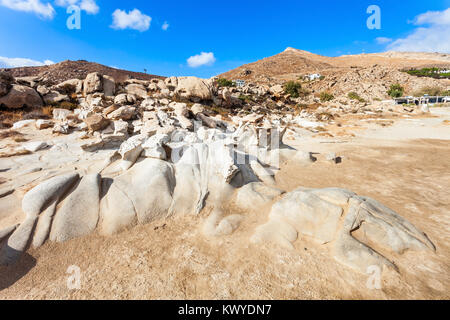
396,91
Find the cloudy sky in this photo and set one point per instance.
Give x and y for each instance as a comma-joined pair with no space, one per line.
205,38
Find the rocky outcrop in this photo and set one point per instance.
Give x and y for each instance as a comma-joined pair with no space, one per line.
332,216
5,83
93,83
194,89
21,96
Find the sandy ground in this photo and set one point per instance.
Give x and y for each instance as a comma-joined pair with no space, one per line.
405,166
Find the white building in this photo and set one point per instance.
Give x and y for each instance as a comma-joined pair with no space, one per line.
313,76
239,83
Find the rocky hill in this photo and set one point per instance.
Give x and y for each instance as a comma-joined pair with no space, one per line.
66,70
369,75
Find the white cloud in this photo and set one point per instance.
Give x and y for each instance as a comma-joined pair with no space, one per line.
165,26
43,10
90,6
22,62
203,59
432,34
383,40
132,20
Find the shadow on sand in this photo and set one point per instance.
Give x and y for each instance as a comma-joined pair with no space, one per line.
10,274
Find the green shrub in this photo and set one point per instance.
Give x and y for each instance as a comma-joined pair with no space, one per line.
222,82
396,91
354,96
429,72
326,96
295,90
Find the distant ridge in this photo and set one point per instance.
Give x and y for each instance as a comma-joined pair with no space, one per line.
293,62
59,72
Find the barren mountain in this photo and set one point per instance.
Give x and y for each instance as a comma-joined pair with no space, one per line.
298,62
66,70
370,75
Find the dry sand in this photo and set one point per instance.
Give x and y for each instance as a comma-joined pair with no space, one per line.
405,166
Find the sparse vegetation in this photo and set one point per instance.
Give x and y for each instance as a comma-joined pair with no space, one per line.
396,91
326,96
245,99
222,82
295,90
432,91
354,96
68,89
435,73
292,88
67,105
10,133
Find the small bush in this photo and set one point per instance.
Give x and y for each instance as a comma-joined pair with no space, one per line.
225,83
295,90
326,96
396,91
354,96
244,98
292,88
67,105
68,89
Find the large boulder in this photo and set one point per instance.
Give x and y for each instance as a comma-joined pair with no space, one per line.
5,83
332,217
137,89
130,150
140,195
21,96
79,213
109,86
123,113
93,83
96,122
41,199
55,97
194,89
70,86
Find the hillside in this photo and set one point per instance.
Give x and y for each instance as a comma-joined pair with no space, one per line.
294,62
66,70
370,75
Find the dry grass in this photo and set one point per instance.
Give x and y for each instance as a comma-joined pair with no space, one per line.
9,117
10,133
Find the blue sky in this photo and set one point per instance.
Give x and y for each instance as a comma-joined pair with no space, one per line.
228,33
